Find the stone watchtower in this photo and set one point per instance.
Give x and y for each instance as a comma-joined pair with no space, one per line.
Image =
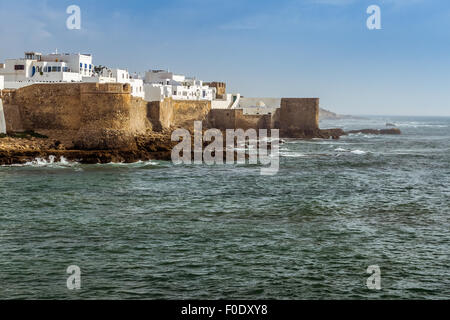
220,88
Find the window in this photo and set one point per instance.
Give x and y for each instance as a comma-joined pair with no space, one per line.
85,66
59,69
174,93
81,65
54,69
90,67
19,67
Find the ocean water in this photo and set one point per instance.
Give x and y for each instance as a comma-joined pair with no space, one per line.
152,230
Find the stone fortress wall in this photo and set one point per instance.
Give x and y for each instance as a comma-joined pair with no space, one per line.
97,116
296,118
106,116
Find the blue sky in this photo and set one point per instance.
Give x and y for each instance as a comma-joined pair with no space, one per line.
294,48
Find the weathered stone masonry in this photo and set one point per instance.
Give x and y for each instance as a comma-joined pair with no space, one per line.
106,116
98,116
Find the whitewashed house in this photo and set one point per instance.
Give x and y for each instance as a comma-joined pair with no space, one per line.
160,84
107,75
137,85
62,67
2,82
52,68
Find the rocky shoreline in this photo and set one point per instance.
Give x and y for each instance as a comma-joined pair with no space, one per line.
13,150
25,147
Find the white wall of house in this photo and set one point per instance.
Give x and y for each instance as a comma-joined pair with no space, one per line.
157,92
160,84
137,88
122,76
54,77
52,68
193,93
99,79
222,103
2,82
158,76
81,63
16,69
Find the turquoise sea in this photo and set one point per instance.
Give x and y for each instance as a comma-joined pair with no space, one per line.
152,230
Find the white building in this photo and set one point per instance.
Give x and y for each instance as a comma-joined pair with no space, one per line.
229,101
56,67
80,63
160,84
107,75
2,82
52,68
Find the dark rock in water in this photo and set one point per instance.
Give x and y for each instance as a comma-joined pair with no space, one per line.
376,131
390,124
331,133
315,133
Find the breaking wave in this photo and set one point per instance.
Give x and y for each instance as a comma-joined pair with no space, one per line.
359,152
50,162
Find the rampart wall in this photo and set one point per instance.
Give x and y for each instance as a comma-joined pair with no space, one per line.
98,116
106,116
